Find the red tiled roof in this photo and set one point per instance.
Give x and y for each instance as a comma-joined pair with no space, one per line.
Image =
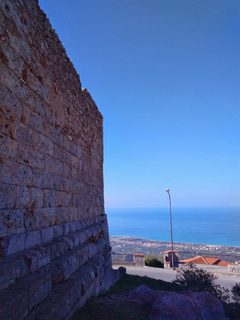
206,260
197,260
211,260
223,263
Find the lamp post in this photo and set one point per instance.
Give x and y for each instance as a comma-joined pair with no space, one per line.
171,233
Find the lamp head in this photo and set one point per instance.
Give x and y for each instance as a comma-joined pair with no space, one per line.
167,190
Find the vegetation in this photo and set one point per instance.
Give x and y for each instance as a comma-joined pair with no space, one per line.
154,261
104,307
236,292
197,279
129,282
97,309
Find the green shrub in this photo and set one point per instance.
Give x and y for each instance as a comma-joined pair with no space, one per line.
153,261
199,279
236,292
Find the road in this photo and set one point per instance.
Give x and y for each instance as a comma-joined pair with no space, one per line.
224,279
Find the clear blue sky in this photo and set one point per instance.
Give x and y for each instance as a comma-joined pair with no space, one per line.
166,76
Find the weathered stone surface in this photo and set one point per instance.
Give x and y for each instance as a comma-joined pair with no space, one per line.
36,258
57,254
8,195
54,246
11,270
14,304
38,286
12,244
65,298
11,220
165,305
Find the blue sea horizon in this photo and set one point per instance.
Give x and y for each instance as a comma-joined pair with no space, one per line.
213,226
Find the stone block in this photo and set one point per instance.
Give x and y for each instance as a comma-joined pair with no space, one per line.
58,304
57,249
37,197
23,197
92,250
57,231
77,200
15,63
61,154
55,133
12,221
72,216
36,159
65,267
24,135
61,183
38,286
66,297
47,234
41,218
83,255
54,165
110,277
11,105
37,122
43,144
12,244
49,198
13,173
7,195
64,199
41,179
85,276
37,258
66,170
33,238
7,145
75,237
11,269
66,228
21,155
70,262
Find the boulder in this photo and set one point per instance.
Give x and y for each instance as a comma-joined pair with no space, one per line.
185,305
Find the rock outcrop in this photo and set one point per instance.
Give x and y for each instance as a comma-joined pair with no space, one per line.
54,244
187,305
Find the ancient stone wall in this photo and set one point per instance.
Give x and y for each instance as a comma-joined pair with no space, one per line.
54,245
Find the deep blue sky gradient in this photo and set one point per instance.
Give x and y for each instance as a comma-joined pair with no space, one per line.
166,76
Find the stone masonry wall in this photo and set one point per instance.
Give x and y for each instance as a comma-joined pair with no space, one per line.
54,245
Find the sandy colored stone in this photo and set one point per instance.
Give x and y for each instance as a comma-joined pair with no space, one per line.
52,223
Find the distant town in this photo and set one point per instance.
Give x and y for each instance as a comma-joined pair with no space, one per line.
128,245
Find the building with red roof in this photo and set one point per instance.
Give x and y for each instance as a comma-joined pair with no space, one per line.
206,260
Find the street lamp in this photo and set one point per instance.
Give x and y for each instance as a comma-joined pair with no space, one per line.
171,233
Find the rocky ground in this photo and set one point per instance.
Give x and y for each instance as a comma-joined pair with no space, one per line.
127,245
143,298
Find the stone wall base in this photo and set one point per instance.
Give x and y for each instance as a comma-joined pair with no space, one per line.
53,281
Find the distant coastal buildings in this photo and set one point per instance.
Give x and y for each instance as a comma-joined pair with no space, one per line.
129,245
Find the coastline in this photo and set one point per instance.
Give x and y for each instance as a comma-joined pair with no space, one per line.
129,245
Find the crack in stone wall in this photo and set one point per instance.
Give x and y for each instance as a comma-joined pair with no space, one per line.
52,221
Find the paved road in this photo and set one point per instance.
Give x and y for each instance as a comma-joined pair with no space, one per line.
224,279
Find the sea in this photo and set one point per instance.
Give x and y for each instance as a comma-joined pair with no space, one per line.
213,226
